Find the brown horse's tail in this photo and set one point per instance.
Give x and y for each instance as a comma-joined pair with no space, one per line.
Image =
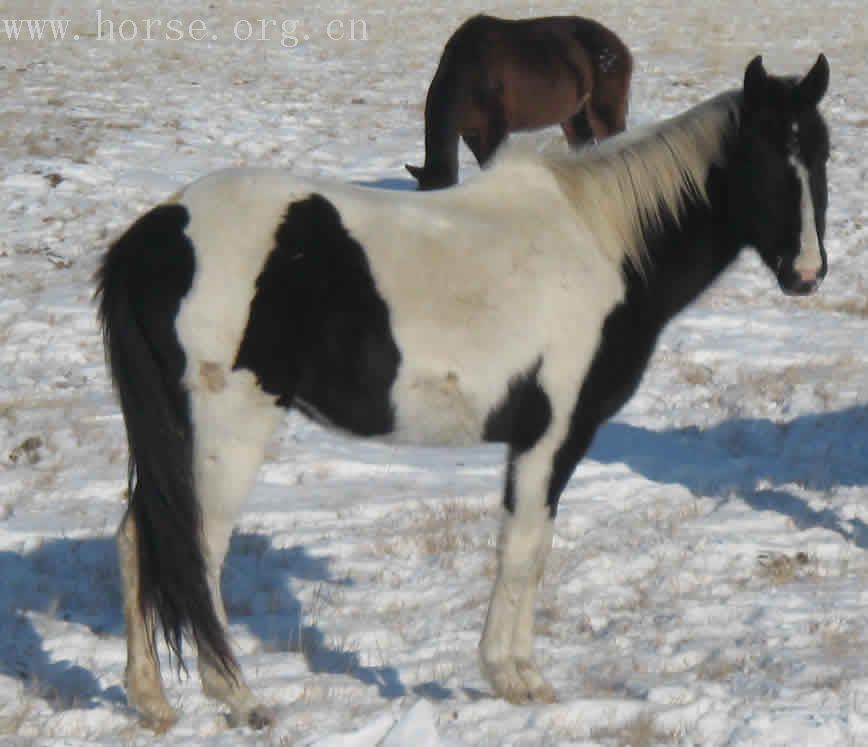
446,95
612,66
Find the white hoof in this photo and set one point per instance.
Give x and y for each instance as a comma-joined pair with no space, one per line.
155,710
540,690
519,682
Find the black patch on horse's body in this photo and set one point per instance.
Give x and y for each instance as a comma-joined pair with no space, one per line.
524,414
519,421
318,334
683,261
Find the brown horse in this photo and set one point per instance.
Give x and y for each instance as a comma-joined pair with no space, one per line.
498,76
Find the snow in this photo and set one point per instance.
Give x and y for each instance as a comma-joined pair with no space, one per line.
707,584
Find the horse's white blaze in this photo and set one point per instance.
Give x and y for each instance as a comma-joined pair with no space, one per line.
810,259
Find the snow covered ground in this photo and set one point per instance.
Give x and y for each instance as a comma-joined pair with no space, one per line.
709,582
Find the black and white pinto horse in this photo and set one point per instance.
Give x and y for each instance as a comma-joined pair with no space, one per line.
519,308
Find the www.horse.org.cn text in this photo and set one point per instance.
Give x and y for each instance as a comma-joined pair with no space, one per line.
289,33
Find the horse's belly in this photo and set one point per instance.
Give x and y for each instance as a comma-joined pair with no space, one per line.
538,102
436,409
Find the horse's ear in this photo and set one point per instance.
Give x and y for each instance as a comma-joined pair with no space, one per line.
755,78
813,86
415,171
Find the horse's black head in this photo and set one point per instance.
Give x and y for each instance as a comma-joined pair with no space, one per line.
431,178
780,188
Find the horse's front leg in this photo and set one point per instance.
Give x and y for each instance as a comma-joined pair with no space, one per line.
506,649
493,131
522,634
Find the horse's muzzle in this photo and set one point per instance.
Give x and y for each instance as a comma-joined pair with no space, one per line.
795,283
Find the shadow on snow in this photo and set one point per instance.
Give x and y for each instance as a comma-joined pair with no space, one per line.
77,581
737,458
391,183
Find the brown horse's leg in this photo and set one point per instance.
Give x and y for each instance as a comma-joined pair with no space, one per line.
600,126
494,134
577,129
607,117
607,107
474,142
485,126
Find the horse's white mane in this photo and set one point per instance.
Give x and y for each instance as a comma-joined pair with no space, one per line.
628,184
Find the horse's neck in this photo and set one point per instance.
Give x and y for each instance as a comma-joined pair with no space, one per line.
442,120
684,259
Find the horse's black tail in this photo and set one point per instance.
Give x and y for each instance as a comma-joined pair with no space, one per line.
142,280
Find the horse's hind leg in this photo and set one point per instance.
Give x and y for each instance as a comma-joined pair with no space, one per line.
506,649
606,110
603,121
494,131
142,678
577,129
233,422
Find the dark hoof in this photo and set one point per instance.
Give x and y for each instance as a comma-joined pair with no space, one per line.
260,718
257,718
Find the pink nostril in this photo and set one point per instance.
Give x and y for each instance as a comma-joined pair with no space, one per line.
808,276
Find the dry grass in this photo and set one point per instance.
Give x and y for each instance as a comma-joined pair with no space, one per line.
27,451
442,531
779,568
857,307
838,639
551,612
12,722
642,731
607,679
717,667
694,374
775,385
